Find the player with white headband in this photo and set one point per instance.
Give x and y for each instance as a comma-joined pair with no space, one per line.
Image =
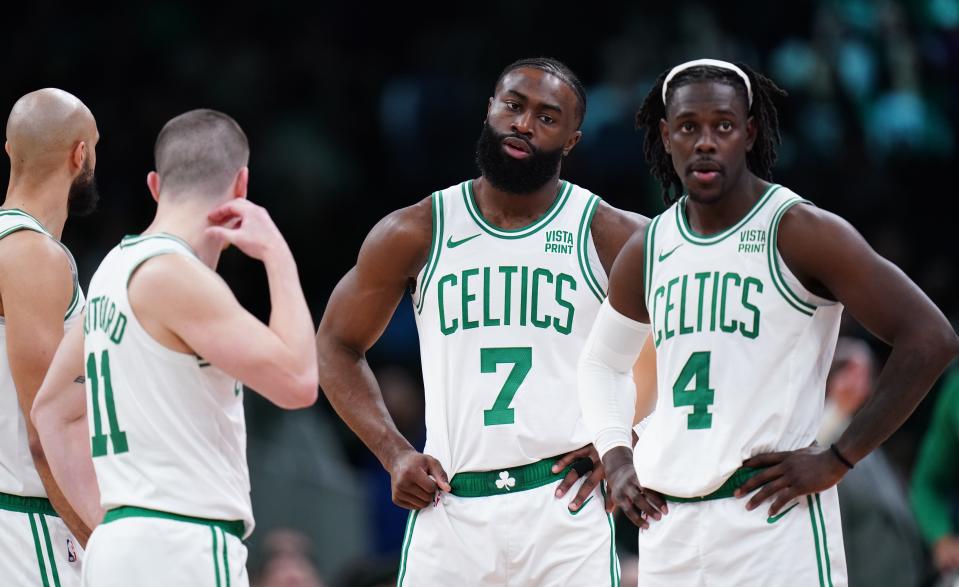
741,284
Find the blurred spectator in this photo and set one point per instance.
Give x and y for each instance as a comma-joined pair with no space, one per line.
881,538
935,482
286,562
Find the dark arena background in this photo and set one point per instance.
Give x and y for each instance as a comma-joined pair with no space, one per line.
354,111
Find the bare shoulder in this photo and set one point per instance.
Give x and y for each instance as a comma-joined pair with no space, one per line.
167,280
612,228
401,239
28,248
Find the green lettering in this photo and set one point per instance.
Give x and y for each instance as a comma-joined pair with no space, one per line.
537,321
487,320
669,306
568,327
446,330
754,331
508,272
734,325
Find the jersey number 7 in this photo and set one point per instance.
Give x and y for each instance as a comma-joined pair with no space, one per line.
522,360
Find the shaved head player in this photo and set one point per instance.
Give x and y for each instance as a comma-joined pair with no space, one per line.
506,272
51,142
741,284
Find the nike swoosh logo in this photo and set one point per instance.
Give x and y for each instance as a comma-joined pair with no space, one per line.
573,513
774,519
453,244
662,257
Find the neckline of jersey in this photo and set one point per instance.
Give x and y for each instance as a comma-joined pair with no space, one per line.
133,239
469,197
31,217
694,237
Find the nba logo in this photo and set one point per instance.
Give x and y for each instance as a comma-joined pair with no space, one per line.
71,551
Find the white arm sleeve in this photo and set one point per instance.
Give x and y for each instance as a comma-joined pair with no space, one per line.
607,394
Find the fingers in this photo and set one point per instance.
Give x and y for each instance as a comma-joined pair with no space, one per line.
415,492
409,502
784,497
766,460
566,483
758,480
656,500
224,234
609,504
234,207
766,492
568,458
585,490
435,470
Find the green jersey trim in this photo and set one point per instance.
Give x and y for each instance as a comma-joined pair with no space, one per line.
504,481
234,527
771,254
39,229
407,540
648,253
614,571
582,252
135,239
469,198
436,246
698,239
27,505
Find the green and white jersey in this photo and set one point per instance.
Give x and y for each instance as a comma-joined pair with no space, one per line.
168,430
18,475
742,348
502,317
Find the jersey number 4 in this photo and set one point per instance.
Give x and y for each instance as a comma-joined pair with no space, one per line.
699,395
522,360
117,437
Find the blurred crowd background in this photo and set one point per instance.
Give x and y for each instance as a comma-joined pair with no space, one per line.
354,111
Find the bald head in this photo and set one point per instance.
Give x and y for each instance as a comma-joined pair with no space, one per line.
45,130
200,151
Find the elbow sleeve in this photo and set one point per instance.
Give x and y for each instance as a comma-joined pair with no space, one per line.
607,395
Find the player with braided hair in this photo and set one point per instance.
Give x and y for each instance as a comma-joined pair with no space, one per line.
741,284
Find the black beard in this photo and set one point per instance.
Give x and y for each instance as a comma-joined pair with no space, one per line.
83,196
514,176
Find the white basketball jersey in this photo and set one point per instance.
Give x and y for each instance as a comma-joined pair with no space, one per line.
742,349
168,430
18,475
502,316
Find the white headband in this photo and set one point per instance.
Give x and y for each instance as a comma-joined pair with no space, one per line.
714,63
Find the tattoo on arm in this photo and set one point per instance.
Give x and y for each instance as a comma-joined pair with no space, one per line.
80,379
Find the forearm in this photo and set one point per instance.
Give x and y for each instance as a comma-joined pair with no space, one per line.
67,449
290,317
351,387
905,380
80,529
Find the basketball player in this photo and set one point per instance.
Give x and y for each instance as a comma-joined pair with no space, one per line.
51,141
506,273
740,283
162,347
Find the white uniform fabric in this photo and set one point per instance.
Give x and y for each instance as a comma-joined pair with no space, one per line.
168,428
526,539
502,317
156,552
36,548
742,354
719,543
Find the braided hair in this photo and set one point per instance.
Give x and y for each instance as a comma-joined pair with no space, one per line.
558,69
759,160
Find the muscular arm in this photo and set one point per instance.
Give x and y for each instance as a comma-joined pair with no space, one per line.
833,260
173,294
60,414
356,315
34,303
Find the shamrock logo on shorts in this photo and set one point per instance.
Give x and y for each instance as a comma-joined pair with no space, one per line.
505,481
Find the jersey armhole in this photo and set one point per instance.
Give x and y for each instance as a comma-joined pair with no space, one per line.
584,240
786,283
436,247
75,298
648,243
